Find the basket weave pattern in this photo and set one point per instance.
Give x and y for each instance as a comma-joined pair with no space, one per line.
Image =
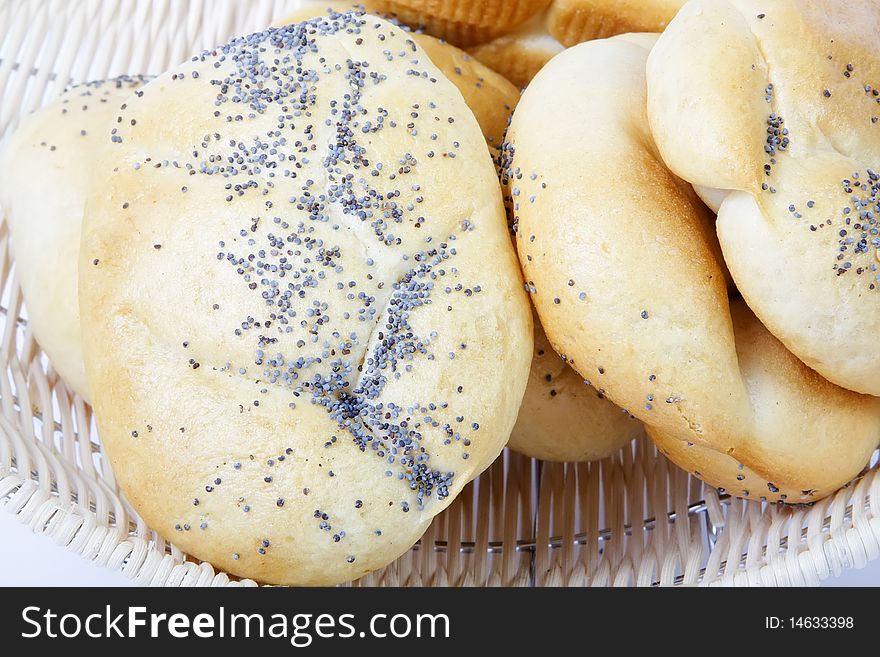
631,519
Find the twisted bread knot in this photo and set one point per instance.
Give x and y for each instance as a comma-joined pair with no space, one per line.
792,127
629,283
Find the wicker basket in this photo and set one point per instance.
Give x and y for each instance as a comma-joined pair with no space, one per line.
632,519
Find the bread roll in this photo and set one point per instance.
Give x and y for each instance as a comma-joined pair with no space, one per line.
794,131
44,169
462,22
56,146
808,429
618,255
564,419
575,21
520,54
304,325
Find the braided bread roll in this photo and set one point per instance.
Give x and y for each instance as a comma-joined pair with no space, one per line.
620,258
794,132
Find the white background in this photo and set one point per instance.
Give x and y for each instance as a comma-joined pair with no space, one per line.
30,560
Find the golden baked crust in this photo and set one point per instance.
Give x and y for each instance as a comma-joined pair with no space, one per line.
793,127
462,22
44,170
304,324
619,257
520,54
575,21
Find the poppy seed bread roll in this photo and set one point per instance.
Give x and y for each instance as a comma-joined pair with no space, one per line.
60,141
620,259
794,133
55,149
304,323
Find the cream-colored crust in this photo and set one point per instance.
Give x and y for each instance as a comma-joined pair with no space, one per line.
44,170
564,419
570,171
488,94
811,435
575,21
618,254
793,234
160,295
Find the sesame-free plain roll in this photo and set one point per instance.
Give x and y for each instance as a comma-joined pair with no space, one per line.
304,324
576,21
622,264
44,170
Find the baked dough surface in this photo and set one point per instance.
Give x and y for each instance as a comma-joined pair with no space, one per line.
44,169
304,323
792,127
622,264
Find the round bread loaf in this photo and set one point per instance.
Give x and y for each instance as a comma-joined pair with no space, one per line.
794,131
575,21
59,141
519,55
619,258
560,419
44,170
304,324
